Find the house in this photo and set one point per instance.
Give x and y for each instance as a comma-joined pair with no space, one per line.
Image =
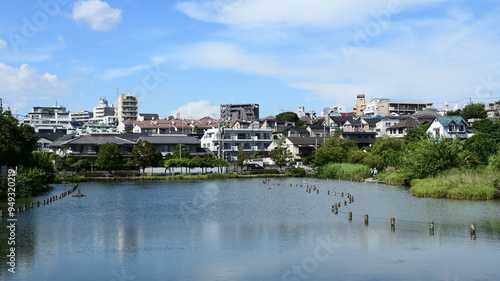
166,144
370,124
360,138
318,131
352,125
291,131
88,146
45,140
493,109
448,127
382,127
303,146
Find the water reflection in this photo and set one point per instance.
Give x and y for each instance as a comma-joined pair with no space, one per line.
242,230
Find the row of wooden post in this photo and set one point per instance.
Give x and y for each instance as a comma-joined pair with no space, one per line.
45,201
336,206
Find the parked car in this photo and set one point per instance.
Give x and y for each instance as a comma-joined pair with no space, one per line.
252,167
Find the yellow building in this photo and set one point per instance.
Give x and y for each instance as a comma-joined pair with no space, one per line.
360,105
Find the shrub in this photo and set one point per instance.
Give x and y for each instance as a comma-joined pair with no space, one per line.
347,171
296,172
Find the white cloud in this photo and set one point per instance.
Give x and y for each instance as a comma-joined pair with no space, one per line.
97,14
120,72
3,44
25,84
291,12
197,110
219,55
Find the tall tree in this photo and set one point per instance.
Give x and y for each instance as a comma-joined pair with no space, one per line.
281,155
144,155
241,157
16,141
290,117
334,150
474,111
110,157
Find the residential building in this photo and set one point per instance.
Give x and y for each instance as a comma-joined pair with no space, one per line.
303,146
387,107
88,146
82,116
291,131
360,105
247,112
448,127
362,139
382,127
103,113
371,108
224,142
127,108
94,129
493,109
303,113
333,110
45,140
50,119
352,125
318,131
400,129
148,117
167,144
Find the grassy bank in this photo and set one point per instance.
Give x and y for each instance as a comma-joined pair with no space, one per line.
471,184
346,171
81,178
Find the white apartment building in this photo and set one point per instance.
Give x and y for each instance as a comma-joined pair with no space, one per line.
103,113
82,116
127,108
224,142
48,119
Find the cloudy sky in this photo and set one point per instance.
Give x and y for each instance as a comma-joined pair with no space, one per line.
193,56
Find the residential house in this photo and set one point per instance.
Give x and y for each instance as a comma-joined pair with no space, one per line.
303,146
362,139
370,124
352,125
448,127
291,131
493,109
166,144
382,127
88,146
318,131
45,140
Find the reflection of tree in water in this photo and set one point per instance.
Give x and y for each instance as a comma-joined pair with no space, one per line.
25,242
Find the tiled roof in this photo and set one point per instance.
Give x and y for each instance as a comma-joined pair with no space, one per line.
99,140
446,120
170,139
306,140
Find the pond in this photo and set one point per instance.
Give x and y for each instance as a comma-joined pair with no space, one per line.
249,229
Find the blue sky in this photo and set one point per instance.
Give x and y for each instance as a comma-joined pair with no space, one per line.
193,56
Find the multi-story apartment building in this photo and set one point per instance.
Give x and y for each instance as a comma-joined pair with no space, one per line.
248,112
386,107
103,113
82,116
360,105
127,108
50,119
224,142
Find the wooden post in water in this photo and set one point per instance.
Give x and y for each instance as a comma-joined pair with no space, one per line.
366,219
431,228
31,205
38,203
350,216
317,191
473,231
24,207
1,213
18,209
345,202
393,224
328,192
342,194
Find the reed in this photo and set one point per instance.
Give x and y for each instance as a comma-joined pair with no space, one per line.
470,184
346,171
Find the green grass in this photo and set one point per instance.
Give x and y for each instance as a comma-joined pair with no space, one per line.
470,184
346,171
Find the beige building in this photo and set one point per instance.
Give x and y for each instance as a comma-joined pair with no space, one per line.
360,105
127,108
386,107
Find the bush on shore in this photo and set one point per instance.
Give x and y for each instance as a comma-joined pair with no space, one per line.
346,171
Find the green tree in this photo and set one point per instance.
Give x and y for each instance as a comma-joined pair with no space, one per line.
241,158
457,112
16,141
474,110
181,152
414,135
390,151
110,157
290,117
197,129
334,150
281,155
81,164
144,155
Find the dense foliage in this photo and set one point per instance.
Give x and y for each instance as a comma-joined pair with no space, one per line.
281,155
144,155
290,117
110,157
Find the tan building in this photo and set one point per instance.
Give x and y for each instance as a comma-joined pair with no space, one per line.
360,105
386,107
127,108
